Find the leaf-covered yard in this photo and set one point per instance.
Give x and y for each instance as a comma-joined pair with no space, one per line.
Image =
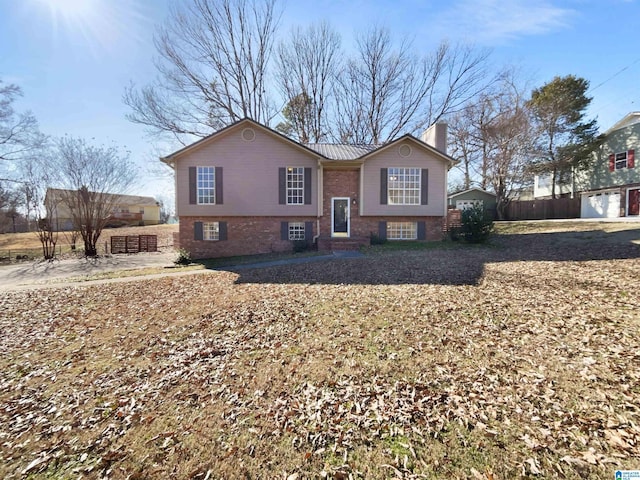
516,359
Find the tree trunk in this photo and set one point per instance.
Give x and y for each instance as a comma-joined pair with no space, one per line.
554,175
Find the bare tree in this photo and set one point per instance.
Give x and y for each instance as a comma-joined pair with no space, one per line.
91,180
40,208
464,146
19,134
493,137
386,91
508,136
214,56
307,65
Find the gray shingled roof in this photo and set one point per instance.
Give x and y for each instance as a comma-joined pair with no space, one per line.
337,151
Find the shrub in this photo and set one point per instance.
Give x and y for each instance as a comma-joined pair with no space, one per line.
375,239
476,226
300,246
454,233
184,257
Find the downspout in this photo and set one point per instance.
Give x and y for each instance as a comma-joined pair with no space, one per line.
360,202
319,209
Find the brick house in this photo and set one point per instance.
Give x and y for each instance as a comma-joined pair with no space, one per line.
247,189
132,210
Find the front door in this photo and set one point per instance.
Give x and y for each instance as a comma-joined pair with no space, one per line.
634,202
340,217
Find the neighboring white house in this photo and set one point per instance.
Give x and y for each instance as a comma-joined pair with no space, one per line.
610,187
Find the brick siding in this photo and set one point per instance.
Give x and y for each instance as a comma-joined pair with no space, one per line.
346,183
365,226
245,236
339,183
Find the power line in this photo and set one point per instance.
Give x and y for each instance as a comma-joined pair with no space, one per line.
614,75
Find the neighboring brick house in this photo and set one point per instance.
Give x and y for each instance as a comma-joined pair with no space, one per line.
130,210
248,189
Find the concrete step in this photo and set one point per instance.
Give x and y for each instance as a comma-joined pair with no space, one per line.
342,244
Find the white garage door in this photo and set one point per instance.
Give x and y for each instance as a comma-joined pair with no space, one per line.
600,205
464,204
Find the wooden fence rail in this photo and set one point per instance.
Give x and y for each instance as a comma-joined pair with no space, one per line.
544,209
134,243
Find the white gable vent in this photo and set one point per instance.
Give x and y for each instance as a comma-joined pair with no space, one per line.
404,150
248,135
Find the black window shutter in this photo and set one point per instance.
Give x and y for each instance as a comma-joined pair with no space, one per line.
308,231
307,186
222,230
424,187
193,186
284,230
282,186
383,186
197,231
382,230
218,185
422,231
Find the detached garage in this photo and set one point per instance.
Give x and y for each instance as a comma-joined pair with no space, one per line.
474,196
603,204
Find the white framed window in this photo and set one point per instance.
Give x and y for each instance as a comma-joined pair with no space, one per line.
296,231
206,185
621,160
403,185
295,185
402,230
211,231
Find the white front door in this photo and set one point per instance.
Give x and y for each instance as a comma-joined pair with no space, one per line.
340,217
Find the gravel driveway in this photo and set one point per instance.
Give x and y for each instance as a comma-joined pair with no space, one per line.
45,272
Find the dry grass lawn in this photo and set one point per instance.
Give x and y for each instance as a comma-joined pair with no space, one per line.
518,359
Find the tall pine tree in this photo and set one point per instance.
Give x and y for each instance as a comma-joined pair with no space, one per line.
565,136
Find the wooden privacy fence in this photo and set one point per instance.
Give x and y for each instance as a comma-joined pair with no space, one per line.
544,209
134,243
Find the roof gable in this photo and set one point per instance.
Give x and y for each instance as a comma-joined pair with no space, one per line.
244,122
325,151
629,119
475,189
408,137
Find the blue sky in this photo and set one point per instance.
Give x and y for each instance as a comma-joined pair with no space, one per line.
73,58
